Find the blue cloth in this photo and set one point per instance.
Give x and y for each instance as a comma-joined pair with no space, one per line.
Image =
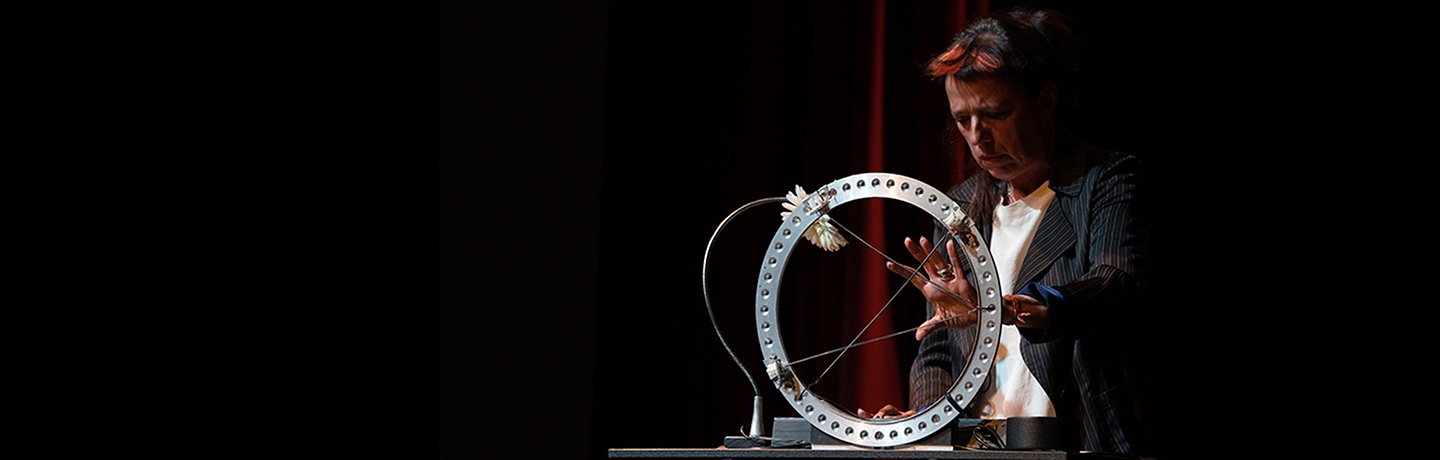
1045,294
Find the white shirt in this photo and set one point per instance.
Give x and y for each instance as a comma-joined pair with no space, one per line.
1015,393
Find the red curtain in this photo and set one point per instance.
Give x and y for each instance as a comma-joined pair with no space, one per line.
899,121
874,376
877,366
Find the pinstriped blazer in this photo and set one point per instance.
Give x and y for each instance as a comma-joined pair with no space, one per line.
1091,247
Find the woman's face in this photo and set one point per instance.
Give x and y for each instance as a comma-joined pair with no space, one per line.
1010,133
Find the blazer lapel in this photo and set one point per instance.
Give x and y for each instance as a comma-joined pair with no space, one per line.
1052,239
1056,234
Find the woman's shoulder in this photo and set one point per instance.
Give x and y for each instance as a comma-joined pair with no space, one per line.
1090,166
963,192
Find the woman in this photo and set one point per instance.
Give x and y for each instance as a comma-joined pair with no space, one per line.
1063,222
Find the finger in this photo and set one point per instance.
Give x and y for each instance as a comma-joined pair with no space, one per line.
924,251
899,269
926,245
923,331
916,280
916,250
862,413
1012,312
1008,307
926,328
961,283
954,257
932,264
959,320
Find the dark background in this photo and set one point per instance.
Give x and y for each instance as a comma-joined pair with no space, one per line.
587,150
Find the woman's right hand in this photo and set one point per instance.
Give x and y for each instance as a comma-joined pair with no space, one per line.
946,287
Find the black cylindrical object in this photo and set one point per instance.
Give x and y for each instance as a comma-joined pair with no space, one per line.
1042,433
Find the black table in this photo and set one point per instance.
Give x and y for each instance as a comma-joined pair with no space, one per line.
851,453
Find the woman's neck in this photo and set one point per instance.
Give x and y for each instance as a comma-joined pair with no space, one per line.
1020,188
1023,186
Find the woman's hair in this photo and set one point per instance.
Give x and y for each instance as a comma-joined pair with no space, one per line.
1029,47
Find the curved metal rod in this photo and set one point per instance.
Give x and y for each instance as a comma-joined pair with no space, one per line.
757,425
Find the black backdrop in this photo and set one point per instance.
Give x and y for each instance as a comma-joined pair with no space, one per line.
587,150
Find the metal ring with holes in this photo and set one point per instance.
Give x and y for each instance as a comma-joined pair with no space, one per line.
839,423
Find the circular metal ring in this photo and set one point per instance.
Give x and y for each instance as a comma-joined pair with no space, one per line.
825,416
